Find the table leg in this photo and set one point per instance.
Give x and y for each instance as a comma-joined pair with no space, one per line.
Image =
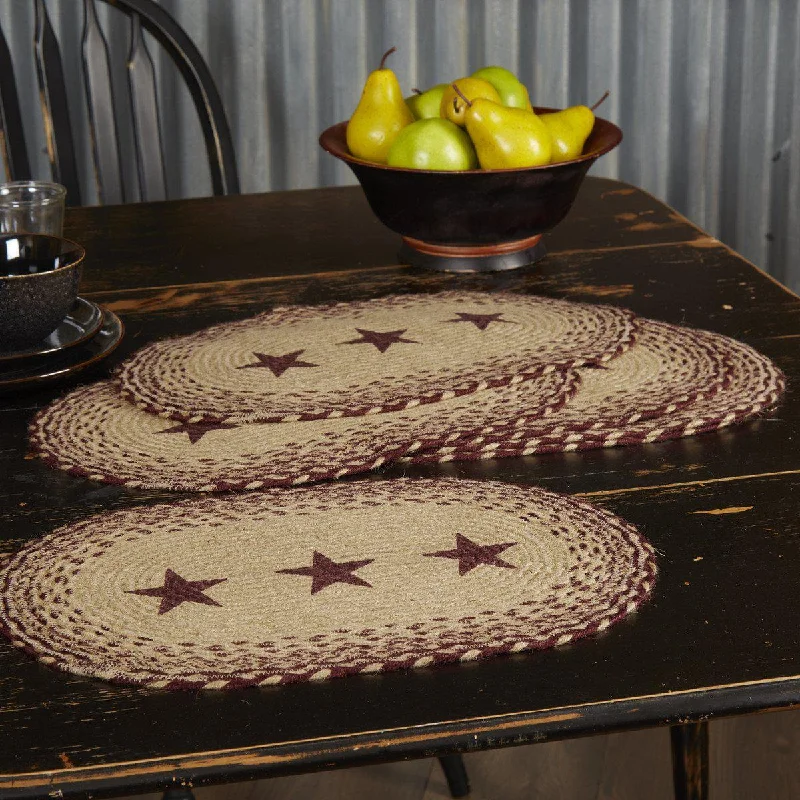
456,774
690,760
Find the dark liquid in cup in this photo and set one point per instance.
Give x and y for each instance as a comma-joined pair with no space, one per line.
26,266
26,255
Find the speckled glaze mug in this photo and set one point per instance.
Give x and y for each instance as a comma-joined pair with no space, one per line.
39,278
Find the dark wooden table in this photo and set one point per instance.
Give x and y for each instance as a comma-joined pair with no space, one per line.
721,634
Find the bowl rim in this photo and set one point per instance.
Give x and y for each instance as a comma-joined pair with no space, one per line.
591,156
79,249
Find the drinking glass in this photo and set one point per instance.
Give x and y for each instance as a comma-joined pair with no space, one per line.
32,207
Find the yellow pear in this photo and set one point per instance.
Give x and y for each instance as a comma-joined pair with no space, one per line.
454,104
511,90
425,105
569,129
380,115
507,138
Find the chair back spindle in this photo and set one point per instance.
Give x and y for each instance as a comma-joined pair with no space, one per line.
100,102
12,139
146,127
55,112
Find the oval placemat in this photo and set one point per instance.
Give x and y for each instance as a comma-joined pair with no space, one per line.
94,433
753,385
311,584
353,359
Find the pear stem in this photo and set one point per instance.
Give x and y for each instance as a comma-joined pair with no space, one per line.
385,56
462,96
417,91
600,101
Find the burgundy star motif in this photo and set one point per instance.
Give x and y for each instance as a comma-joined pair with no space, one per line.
383,340
481,321
325,572
177,590
470,554
197,430
278,364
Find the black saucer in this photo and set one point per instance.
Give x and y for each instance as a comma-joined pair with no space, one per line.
41,371
82,322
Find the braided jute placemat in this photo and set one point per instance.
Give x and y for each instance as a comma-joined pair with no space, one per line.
352,359
310,584
753,385
93,432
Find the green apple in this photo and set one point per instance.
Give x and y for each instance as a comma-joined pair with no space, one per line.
512,92
436,144
425,105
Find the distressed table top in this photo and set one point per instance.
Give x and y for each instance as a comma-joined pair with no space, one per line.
721,634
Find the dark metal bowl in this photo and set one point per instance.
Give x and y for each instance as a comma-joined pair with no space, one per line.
39,277
475,219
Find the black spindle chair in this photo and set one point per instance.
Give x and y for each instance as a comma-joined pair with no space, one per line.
144,15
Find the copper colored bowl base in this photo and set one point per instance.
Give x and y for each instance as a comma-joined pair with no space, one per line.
472,258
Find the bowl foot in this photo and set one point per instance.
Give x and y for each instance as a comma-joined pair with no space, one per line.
485,258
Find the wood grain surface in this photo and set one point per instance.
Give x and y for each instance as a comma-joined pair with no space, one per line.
720,636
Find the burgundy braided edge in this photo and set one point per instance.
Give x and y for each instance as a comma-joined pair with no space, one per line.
679,403
206,415
390,454
643,587
504,449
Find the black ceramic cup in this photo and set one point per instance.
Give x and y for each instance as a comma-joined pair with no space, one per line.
39,277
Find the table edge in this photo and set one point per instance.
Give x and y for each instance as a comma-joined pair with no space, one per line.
417,741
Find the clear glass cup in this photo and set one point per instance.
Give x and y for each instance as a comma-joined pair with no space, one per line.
32,207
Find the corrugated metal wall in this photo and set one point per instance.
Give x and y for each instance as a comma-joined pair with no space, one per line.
706,91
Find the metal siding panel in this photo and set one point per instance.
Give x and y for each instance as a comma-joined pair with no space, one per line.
576,76
790,268
707,93
246,99
551,53
628,110
292,93
397,21
735,30
299,68
451,36
786,92
755,140
686,139
652,123
498,35
604,71
343,68
705,186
